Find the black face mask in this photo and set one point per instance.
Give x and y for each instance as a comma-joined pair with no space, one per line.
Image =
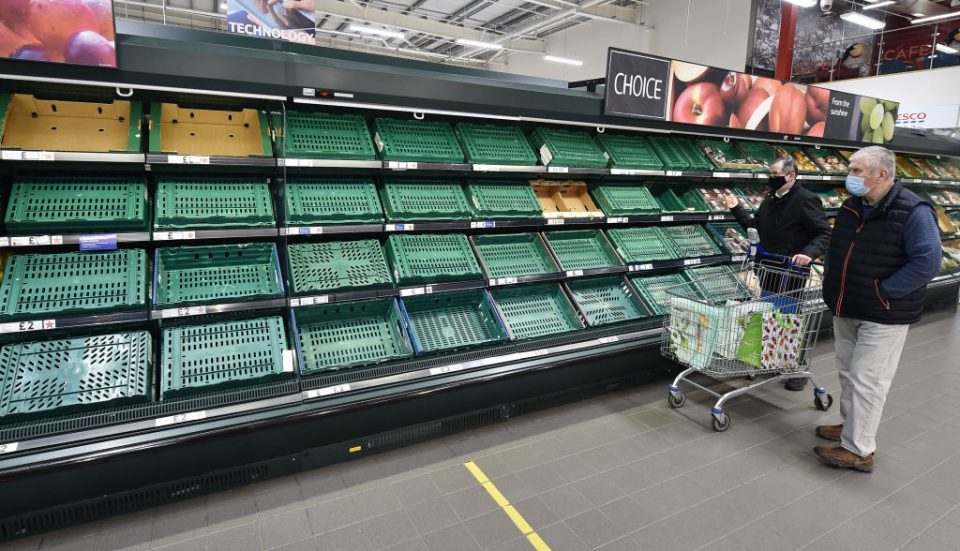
776,182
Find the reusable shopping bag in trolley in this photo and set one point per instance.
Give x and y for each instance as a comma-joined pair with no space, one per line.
771,340
693,330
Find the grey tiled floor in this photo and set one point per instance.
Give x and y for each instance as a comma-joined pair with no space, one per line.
622,471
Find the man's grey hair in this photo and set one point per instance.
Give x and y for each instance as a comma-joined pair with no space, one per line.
877,158
789,165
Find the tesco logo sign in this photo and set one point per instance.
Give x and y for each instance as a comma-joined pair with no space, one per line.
928,116
905,117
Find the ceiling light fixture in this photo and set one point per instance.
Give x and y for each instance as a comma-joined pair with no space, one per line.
362,29
858,18
947,49
935,17
564,60
223,5
878,5
918,14
479,44
804,3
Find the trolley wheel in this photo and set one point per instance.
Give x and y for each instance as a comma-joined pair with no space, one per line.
676,400
823,405
721,422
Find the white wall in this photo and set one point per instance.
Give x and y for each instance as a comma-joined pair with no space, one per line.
935,87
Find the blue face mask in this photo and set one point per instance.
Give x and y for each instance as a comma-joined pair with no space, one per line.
856,185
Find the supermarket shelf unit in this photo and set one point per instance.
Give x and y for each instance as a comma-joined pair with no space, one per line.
416,382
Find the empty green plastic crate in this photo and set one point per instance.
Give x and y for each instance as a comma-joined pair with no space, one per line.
73,203
409,201
203,358
679,153
67,283
655,290
205,202
490,144
718,284
317,201
639,245
582,249
758,152
350,334
570,148
503,200
535,310
514,255
679,199
691,241
452,321
629,152
337,266
621,199
606,299
413,140
56,377
218,273
326,136
431,258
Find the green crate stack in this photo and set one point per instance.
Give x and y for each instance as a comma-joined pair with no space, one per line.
654,290
621,199
337,266
629,152
420,141
69,283
350,334
607,299
431,258
758,152
205,202
731,236
76,203
490,144
217,273
317,201
676,199
326,136
57,377
535,310
434,200
639,245
679,153
582,249
203,358
691,241
831,161
726,156
718,284
514,255
452,321
570,148
503,200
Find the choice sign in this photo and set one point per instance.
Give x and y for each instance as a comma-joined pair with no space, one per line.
636,85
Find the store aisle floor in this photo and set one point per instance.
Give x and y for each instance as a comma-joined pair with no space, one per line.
622,471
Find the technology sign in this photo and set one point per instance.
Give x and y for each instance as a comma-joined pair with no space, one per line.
291,20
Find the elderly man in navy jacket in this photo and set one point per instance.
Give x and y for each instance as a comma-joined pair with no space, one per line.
884,249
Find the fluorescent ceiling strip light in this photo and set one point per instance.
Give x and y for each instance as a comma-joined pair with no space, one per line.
878,5
564,60
479,44
935,17
362,29
804,3
859,19
946,49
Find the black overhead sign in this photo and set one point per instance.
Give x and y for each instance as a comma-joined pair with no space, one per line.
636,85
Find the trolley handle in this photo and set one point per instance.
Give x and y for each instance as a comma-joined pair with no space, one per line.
757,251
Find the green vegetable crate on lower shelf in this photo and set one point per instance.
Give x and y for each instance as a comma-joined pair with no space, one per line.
205,202
604,300
535,310
452,321
321,201
429,258
337,266
419,200
655,290
513,255
503,200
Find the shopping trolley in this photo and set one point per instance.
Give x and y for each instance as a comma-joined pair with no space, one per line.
759,321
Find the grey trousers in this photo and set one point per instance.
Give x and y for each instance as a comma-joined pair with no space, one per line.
867,356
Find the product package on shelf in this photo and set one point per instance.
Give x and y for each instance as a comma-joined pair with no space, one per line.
416,141
31,123
212,202
209,132
569,148
716,197
951,254
757,152
726,156
629,152
732,235
565,199
490,144
624,199
535,310
828,196
350,334
431,258
452,321
949,168
581,249
805,164
947,225
67,375
942,197
334,266
832,162
324,136
424,200
247,352
321,201
929,171
906,168
753,194
608,299
493,200
44,203
642,245
679,199
513,255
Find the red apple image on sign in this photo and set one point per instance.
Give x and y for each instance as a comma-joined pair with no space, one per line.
817,100
701,104
75,31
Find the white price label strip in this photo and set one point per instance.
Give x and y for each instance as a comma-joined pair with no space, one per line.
483,225
666,219
555,221
4,241
486,168
35,240
31,325
413,292
722,175
288,361
9,447
738,258
309,301
329,391
558,169
717,217
28,155
608,340
183,311
533,353
188,160
401,165
399,227
641,267
674,173
453,368
574,273
180,418
691,262
174,235
616,220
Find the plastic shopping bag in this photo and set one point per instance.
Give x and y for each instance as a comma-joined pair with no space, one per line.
693,331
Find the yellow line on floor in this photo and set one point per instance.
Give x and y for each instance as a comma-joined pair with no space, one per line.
535,540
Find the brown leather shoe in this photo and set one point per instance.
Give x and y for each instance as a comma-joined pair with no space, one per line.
844,459
830,432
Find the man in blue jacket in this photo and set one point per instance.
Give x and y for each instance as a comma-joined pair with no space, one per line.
884,249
